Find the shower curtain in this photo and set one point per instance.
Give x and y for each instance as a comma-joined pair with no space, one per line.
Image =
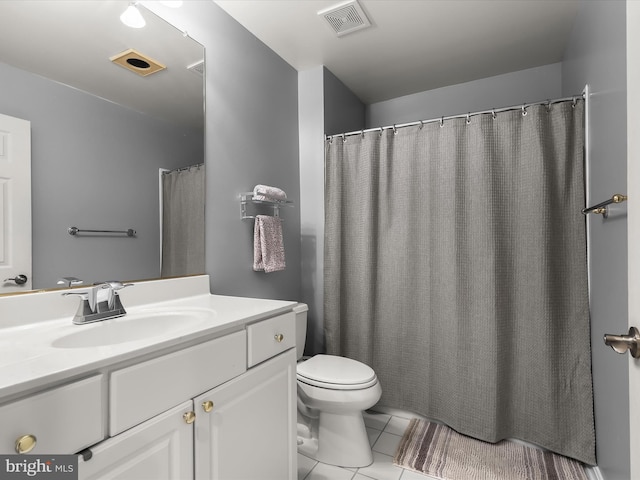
183,221
455,266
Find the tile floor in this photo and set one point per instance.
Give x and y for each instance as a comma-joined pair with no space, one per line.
385,432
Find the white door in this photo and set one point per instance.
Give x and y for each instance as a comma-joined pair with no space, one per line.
15,204
633,189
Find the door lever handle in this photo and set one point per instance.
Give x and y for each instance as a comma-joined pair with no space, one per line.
622,343
18,279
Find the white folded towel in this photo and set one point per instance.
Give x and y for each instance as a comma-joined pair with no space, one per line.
268,244
265,192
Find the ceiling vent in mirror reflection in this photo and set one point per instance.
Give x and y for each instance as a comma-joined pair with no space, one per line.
137,62
346,17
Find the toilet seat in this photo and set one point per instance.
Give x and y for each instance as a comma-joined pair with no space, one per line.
336,373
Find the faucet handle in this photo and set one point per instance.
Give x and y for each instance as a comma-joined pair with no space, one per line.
69,281
88,298
118,285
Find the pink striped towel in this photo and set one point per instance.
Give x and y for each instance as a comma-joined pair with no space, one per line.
268,244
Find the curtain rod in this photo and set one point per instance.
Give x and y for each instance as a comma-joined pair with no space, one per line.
493,112
182,169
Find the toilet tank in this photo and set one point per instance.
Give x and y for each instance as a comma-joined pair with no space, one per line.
301,327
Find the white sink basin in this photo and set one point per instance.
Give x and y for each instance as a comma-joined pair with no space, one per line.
132,327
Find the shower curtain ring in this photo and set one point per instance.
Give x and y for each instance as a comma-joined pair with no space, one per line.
493,113
441,122
524,110
395,130
468,118
380,134
421,124
344,139
548,105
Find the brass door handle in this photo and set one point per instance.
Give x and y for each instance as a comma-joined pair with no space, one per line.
279,337
622,343
25,444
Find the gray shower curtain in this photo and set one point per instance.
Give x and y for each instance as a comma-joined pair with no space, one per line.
455,266
183,221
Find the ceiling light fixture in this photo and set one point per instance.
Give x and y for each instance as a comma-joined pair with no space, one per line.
132,17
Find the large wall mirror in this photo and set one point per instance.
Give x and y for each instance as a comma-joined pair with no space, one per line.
101,134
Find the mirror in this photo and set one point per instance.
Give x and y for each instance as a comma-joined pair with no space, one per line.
100,134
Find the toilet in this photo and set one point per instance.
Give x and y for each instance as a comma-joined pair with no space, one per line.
333,392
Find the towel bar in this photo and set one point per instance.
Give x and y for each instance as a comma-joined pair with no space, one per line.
246,198
75,230
601,208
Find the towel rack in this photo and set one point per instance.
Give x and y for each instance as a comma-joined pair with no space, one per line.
75,230
601,208
246,198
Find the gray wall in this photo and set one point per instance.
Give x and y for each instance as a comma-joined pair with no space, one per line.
514,88
596,56
325,105
343,111
251,138
311,124
94,166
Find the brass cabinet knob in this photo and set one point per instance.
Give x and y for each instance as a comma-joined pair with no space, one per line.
26,443
189,417
207,406
279,337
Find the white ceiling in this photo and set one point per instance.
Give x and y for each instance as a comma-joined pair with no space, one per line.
71,41
413,45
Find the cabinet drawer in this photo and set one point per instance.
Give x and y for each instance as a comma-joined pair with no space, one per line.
144,390
270,337
63,420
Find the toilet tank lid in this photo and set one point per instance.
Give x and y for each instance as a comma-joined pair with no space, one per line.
300,307
336,370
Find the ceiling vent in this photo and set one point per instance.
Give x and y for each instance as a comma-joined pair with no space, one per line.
347,17
137,62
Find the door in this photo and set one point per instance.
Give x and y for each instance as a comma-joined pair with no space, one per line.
15,204
159,449
246,428
633,188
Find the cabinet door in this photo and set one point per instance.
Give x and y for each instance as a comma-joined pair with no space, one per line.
159,449
250,431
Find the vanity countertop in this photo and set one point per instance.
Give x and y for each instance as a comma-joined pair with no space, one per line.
33,352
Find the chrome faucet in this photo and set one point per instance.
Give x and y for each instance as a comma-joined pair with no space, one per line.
100,302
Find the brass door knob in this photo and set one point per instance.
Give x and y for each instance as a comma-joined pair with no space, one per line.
26,443
189,417
279,337
207,406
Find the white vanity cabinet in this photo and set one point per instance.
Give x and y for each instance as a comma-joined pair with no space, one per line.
228,403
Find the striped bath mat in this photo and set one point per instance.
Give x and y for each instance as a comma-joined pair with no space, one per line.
440,452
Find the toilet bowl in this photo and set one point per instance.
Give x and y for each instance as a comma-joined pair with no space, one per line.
333,392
